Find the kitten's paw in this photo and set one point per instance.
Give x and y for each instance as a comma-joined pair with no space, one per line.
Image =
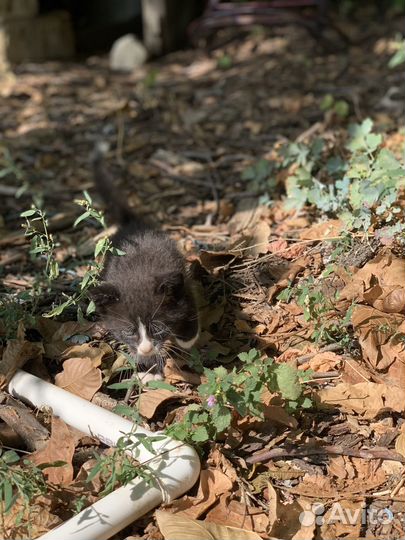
146,377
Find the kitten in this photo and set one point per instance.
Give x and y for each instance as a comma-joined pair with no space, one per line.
145,298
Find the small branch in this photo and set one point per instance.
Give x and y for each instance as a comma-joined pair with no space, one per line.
373,453
328,348
23,422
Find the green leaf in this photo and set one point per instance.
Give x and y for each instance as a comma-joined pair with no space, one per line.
306,403
58,309
221,418
8,496
122,385
10,456
161,385
287,381
85,215
57,463
200,434
327,102
100,246
28,213
341,108
91,308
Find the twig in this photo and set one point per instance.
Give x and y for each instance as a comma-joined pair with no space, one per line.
373,453
328,348
21,419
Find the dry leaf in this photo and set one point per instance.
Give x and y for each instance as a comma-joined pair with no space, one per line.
60,447
236,514
394,302
174,373
30,521
367,399
334,526
150,400
79,377
381,336
180,527
257,241
376,282
326,229
16,353
213,483
95,351
325,361
400,444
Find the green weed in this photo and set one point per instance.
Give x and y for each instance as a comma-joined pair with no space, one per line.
18,483
119,466
229,394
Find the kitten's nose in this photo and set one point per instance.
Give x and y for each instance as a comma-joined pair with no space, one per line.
145,348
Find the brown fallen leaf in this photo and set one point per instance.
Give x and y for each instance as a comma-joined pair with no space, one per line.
16,353
380,283
381,336
327,229
334,524
96,351
174,373
56,331
367,398
400,444
216,261
325,361
181,527
150,400
256,240
60,447
213,483
79,377
394,302
29,521
236,514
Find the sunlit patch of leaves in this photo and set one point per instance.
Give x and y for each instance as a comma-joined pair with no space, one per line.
359,185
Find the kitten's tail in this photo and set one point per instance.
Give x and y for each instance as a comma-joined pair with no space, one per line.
116,205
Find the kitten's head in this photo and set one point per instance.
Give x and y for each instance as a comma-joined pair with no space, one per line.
150,317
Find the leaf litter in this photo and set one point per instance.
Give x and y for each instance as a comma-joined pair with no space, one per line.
267,276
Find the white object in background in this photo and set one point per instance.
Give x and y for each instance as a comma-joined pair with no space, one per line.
127,53
176,466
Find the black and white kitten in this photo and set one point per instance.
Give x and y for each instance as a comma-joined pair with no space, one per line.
145,298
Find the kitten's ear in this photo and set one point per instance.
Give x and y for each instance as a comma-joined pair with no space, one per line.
104,294
170,284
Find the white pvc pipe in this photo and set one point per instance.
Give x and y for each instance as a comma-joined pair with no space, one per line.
175,466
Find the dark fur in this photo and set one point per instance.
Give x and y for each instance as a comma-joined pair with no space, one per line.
149,283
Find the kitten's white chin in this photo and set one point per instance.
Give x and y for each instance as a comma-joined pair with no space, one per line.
146,377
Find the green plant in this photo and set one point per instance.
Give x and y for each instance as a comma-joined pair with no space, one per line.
399,57
43,245
42,241
338,106
119,466
225,62
261,176
319,309
18,483
360,185
229,394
